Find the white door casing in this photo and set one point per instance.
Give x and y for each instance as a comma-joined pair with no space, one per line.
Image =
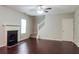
67,29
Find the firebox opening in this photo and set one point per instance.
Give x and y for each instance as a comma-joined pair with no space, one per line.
12,37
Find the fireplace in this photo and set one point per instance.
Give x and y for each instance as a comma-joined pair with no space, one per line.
12,37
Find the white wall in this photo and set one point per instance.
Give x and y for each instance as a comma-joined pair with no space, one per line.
67,29
12,17
76,28
52,27
29,28
37,20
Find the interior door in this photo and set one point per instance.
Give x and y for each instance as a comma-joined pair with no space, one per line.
67,29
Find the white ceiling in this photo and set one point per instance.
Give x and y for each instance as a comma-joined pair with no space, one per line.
32,9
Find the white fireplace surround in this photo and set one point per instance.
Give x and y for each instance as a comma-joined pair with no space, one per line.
4,29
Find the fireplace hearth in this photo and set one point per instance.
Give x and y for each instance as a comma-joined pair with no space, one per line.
12,37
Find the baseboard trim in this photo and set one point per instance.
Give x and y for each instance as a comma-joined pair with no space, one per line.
17,43
32,38
76,44
37,39
54,39
50,39
14,44
2,46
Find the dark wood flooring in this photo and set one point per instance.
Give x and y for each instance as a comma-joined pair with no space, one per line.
31,46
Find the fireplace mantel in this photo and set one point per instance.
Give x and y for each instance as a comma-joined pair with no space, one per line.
4,29
12,25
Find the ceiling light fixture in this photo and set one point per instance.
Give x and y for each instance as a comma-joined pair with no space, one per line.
42,9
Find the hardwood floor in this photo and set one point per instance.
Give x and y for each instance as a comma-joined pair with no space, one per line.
30,46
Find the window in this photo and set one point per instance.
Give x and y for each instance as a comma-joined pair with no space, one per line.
23,26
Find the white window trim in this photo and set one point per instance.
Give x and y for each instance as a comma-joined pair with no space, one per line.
23,27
